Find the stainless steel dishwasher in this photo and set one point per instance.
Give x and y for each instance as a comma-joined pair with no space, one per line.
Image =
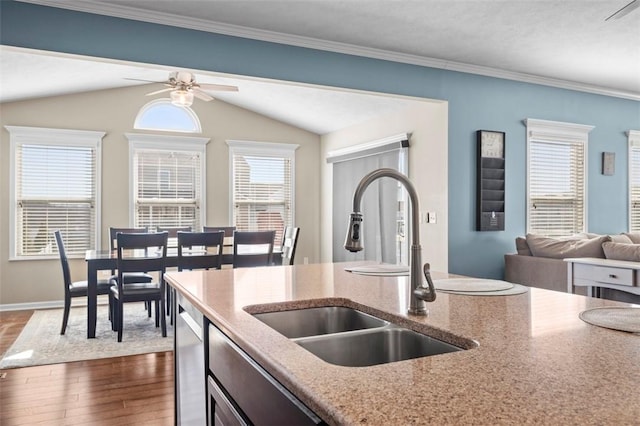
190,379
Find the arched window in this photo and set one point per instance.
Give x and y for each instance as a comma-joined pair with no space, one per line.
161,114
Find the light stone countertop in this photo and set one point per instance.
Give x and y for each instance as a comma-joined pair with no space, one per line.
536,363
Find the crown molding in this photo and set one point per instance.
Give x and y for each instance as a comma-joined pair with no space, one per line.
126,12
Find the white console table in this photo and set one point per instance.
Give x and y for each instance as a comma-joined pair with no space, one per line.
603,273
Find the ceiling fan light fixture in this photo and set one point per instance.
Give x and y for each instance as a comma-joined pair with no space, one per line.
182,98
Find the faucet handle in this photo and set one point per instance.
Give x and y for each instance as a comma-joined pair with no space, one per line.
428,294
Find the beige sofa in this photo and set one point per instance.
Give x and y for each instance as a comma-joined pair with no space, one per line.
539,260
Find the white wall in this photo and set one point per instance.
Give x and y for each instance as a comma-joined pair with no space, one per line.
427,121
114,111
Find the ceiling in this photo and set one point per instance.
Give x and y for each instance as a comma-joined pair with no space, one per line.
26,74
563,43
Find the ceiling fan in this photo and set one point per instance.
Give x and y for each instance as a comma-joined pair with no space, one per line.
183,87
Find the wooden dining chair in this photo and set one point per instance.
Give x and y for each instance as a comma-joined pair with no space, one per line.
113,244
140,253
228,230
200,250
73,288
252,248
137,277
289,243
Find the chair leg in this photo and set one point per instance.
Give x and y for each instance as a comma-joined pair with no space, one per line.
163,319
120,308
159,304
168,299
147,304
112,313
65,315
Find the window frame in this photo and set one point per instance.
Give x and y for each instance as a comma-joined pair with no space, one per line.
24,135
264,149
168,143
560,133
633,137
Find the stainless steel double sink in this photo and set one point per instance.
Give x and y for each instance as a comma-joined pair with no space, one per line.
348,337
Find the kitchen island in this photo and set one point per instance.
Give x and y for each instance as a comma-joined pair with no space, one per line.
536,361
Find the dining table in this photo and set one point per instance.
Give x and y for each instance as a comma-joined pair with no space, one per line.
107,260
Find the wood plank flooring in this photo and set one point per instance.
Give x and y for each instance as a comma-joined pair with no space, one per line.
126,390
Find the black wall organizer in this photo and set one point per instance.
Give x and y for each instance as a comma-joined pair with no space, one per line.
490,180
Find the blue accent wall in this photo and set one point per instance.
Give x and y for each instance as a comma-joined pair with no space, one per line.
475,102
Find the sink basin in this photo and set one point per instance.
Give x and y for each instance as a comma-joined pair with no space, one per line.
319,321
345,336
372,347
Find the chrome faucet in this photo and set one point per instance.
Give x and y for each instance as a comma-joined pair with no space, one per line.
419,293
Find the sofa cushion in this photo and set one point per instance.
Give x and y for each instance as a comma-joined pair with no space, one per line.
621,238
522,247
634,237
560,249
621,251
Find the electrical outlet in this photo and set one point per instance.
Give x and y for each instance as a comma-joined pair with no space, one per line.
431,217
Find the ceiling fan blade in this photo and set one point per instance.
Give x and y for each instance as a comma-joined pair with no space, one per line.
625,10
218,87
201,95
139,79
160,91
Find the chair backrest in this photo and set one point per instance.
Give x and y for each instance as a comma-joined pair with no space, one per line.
66,273
289,243
114,231
173,231
141,252
252,248
200,250
228,230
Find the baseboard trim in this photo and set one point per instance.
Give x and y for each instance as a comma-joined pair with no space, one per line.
32,306
51,304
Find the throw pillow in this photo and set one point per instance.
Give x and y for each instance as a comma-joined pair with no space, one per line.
560,249
522,247
634,237
621,251
621,238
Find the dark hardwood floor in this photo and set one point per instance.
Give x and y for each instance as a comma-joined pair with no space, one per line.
130,390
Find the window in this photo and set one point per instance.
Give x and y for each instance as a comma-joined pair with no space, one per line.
168,179
262,186
556,187
161,114
634,180
55,185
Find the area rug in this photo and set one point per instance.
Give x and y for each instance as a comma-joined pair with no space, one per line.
40,341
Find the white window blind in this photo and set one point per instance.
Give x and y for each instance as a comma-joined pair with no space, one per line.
556,193
385,202
55,177
634,180
168,178
168,189
262,186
